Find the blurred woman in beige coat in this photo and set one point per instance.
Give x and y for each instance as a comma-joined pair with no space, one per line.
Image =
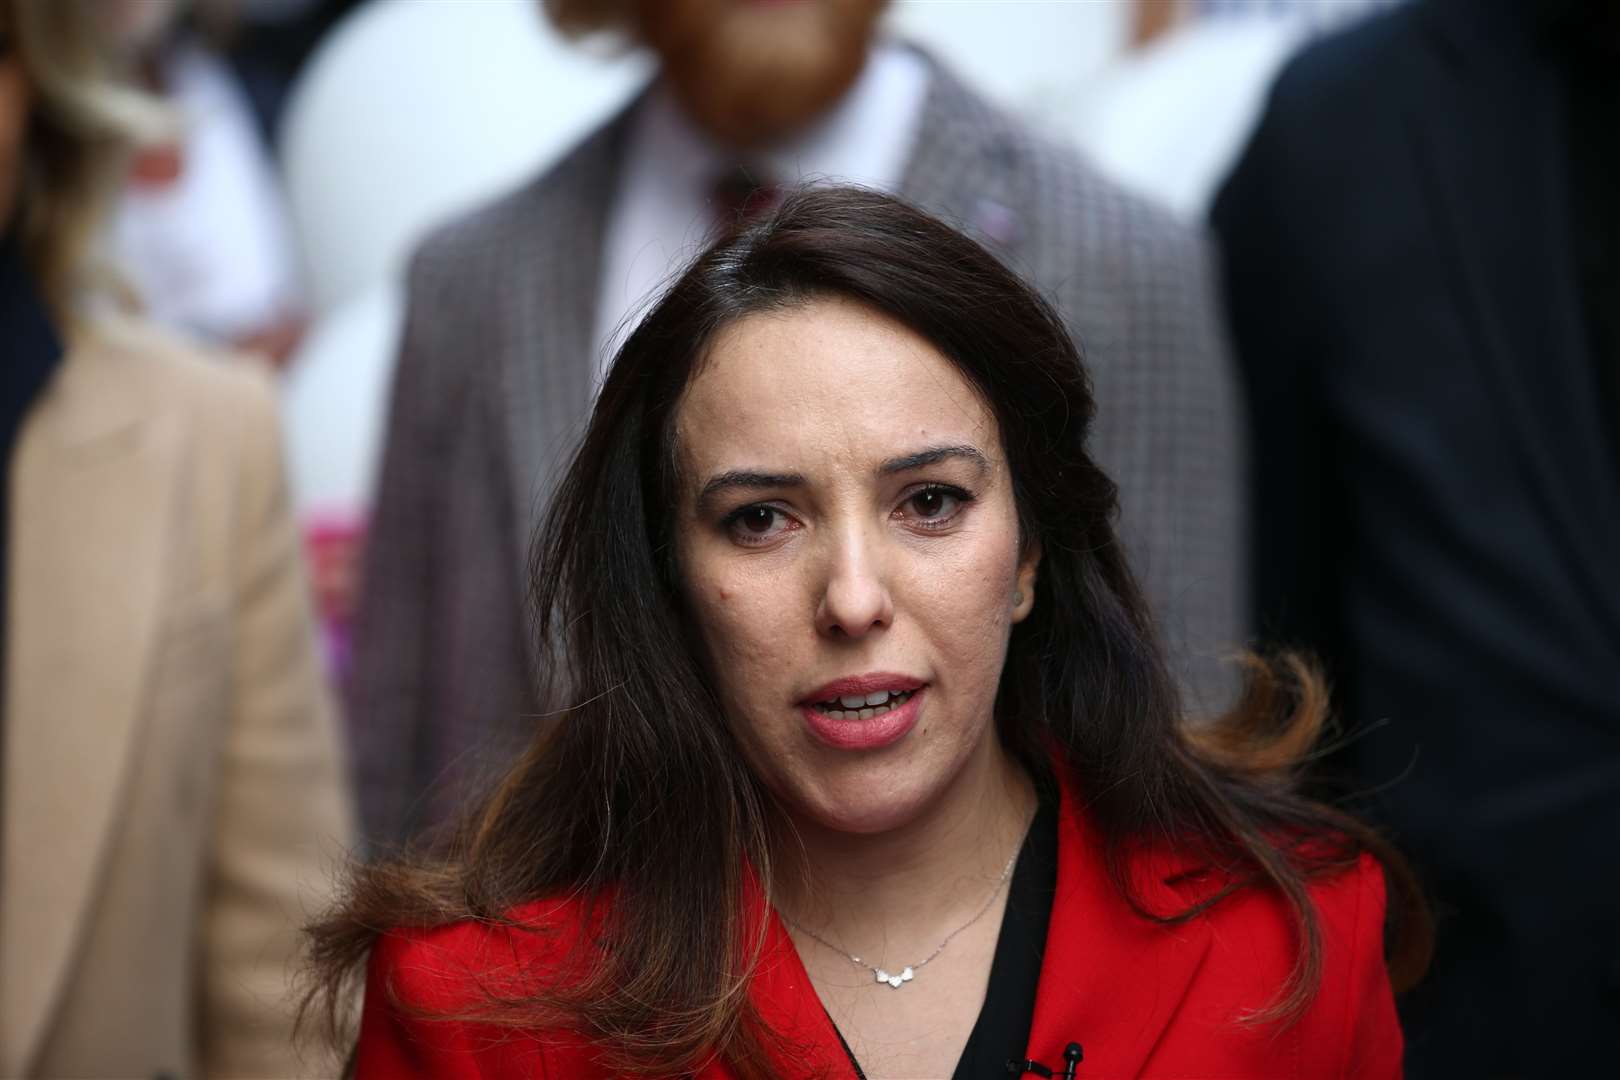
170,789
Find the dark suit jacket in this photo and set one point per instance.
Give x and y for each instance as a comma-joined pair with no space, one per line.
1142,998
493,388
1438,497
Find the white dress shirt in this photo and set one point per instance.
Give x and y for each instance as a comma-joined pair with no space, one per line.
212,252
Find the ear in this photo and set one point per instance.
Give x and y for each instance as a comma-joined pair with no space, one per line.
1024,590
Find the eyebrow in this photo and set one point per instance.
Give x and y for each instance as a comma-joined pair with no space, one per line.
751,480
744,478
933,456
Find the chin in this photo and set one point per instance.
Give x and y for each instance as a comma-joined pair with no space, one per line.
751,73
866,802
869,817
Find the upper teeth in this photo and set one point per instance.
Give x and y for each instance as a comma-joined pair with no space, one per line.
858,701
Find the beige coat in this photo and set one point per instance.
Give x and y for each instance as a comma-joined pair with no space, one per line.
173,794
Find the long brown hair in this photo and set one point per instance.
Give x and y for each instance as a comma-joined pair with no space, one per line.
632,787
83,122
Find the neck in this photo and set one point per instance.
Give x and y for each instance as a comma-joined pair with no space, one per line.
900,891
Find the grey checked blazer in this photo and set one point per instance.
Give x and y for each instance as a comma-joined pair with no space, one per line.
493,387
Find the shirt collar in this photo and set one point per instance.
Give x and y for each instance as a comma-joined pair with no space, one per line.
663,214
865,138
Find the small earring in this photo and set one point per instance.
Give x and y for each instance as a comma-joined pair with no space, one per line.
1018,598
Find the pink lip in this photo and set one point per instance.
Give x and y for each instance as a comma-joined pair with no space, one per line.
870,683
873,734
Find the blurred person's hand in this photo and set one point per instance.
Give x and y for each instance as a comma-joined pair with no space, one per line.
275,342
335,545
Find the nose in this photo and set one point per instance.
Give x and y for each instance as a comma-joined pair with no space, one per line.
855,596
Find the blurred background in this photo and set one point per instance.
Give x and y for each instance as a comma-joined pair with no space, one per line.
1358,260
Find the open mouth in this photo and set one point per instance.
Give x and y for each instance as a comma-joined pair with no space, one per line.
862,706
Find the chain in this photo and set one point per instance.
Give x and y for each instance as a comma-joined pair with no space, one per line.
907,973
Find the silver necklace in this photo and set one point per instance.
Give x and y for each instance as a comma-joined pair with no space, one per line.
909,972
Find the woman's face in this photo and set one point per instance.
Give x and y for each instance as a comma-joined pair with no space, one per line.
849,549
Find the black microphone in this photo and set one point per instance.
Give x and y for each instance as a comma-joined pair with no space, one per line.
1072,1054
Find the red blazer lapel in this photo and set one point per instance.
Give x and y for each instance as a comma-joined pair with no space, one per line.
1110,979
781,990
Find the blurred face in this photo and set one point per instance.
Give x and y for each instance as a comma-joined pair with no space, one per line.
849,548
14,104
749,71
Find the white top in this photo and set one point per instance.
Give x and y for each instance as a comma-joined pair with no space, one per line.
662,215
212,252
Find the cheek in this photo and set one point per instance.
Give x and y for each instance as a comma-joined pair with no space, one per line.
975,572
745,630
964,604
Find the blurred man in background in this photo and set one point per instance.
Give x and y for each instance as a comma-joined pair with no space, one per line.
514,310
1423,264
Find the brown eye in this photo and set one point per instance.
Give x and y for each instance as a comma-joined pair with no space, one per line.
932,504
758,524
757,519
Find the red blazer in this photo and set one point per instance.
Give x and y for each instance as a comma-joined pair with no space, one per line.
1142,999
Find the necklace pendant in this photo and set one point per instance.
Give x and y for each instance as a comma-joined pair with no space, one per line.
895,981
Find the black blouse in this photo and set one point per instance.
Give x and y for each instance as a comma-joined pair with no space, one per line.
1001,1032
1592,44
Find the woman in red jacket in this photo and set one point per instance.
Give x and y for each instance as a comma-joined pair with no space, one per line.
865,760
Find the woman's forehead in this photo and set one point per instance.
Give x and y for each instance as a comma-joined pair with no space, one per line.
828,379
